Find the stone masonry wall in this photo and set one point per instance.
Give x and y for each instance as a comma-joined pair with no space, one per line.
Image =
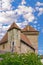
34,40
25,48
14,36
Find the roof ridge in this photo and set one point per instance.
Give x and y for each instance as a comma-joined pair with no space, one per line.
26,40
13,25
28,28
23,38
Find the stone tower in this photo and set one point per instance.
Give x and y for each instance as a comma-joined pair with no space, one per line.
32,34
14,38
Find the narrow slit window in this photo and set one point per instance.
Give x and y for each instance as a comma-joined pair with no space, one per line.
3,46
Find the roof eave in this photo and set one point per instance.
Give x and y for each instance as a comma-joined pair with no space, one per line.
13,28
28,45
3,42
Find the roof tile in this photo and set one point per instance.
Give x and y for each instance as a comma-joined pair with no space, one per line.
25,39
13,26
4,39
28,28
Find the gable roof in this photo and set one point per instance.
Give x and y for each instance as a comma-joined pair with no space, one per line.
23,38
29,28
4,39
13,25
26,40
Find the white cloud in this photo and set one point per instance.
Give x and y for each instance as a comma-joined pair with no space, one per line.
27,12
4,16
40,10
39,4
35,27
19,24
25,9
23,2
23,24
29,17
7,15
5,27
35,22
0,25
12,15
2,34
5,5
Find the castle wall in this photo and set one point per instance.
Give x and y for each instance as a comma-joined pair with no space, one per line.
25,48
14,36
5,47
33,37
34,41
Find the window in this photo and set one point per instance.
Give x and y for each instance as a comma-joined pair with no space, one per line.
3,46
13,43
12,46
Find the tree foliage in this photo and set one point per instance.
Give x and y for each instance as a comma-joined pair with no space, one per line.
20,59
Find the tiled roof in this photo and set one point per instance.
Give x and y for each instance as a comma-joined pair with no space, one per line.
13,26
23,38
4,39
28,28
26,40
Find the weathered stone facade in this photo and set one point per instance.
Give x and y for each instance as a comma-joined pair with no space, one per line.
14,36
15,42
5,47
25,48
32,35
33,39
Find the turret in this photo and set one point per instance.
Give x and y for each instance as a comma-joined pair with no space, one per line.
32,34
14,38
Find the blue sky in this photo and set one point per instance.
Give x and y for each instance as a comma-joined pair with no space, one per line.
22,12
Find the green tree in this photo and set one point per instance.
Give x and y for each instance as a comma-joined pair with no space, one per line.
20,59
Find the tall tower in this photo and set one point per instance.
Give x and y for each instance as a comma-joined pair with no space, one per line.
32,34
14,38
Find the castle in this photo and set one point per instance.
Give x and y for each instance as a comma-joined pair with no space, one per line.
20,40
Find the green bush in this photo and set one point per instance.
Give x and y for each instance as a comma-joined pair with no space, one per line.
20,59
